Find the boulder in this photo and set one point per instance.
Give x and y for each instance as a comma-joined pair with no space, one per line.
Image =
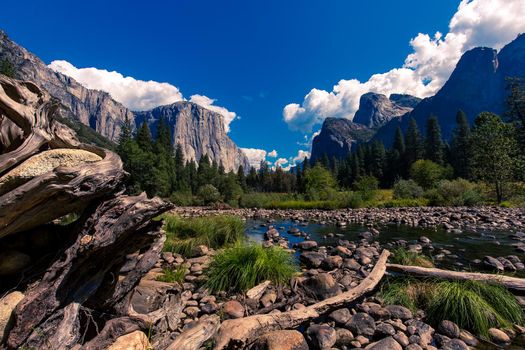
321,336
332,262
307,245
385,344
281,340
312,259
233,309
493,263
340,316
498,336
398,311
362,324
322,286
449,328
7,305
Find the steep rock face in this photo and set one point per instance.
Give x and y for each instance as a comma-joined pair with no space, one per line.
91,107
405,100
477,84
337,137
375,110
199,131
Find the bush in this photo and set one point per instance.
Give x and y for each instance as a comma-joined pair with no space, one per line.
367,187
407,189
184,234
427,173
319,183
472,305
265,200
182,199
457,192
350,200
243,266
208,194
402,203
173,275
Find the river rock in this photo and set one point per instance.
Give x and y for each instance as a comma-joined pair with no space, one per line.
499,336
493,263
233,309
344,337
281,340
385,344
7,305
312,259
362,324
340,316
322,286
332,262
384,330
449,328
351,264
398,311
307,245
321,336
455,344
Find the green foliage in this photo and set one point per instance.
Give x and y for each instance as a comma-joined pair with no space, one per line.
319,183
407,189
413,143
460,147
182,199
405,257
457,192
495,151
433,141
184,234
472,305
367,187
243,266
170,275
405,202
208,194
7,68
427,173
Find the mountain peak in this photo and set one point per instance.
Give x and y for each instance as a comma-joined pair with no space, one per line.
375,109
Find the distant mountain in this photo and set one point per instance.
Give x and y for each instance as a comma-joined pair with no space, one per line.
477,84
337,137
198,130
375,110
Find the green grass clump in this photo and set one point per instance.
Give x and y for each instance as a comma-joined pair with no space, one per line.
472,305
475,306
405,202
173,275
183,234
245,265
403,256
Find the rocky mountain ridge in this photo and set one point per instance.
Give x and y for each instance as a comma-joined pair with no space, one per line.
98,110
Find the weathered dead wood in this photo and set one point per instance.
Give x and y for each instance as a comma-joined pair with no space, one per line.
196,334
512,283
113,329
105,238
241,332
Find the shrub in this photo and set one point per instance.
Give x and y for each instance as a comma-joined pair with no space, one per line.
183,234
407,202
405,257
407,189
367,187
264,200
319,183
173,275
183,199
457,192
243,266
351,200
427,173
208,194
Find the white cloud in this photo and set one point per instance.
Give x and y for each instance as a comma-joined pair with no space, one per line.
272,154
255,156
137,95
207,103
280,162
299,158
491,23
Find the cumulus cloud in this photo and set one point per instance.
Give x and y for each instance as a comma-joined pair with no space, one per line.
272,154
280,162
207,103
255,156
491,23
299,158
137,95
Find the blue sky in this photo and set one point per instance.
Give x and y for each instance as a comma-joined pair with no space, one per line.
253,57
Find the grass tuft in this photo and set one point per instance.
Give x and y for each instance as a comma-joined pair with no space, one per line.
245,265
173,275
403,256
183,234
472,305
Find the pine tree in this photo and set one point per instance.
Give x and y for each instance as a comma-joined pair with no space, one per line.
516,107
433,141
413,144
460,147
399,142
163,140
144,138
7,68
241,178
378,160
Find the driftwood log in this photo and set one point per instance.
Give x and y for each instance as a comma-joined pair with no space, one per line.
512,283
80,297
240,333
